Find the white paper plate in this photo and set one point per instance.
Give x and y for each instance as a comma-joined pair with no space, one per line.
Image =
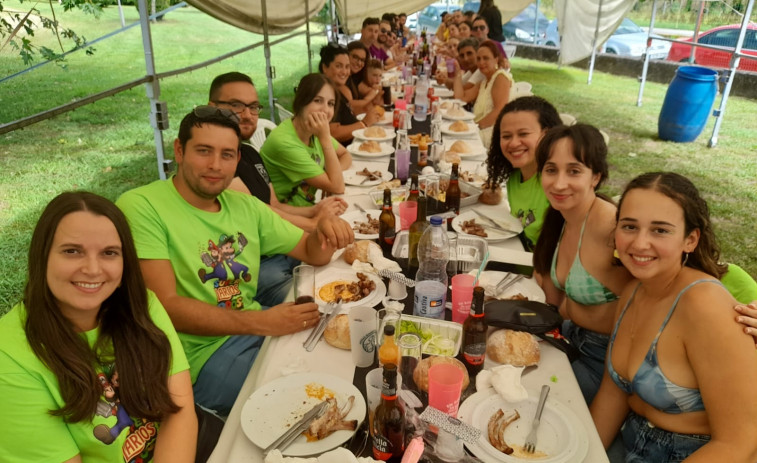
507,221
351,177
386,150
525,286
461,117
447,103
478,150
561,434
386,120
443,92
277,405
472,130
358,216
360,133
350,275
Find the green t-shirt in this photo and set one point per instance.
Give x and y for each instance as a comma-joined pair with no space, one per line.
29,390
528,203
289,162
740,284
215,255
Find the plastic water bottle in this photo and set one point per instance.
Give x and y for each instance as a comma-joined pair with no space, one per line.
421,98
431,279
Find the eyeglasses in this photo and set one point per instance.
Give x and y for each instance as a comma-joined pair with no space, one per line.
357,58
239,107
385,31
478,28
209,111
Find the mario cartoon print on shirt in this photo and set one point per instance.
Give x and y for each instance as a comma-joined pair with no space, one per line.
113,419
222,267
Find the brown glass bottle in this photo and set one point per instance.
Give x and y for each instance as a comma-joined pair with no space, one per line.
414,235
388,429
414,191
452,200
387,224
474,335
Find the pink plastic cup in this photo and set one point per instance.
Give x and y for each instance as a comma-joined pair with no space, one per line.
445,383
409,89
408,213
462,295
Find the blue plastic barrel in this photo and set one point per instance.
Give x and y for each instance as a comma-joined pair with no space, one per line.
687,104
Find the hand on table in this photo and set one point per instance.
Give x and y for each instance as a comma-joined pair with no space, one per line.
748,318
371,117
333,231
332,205
288,318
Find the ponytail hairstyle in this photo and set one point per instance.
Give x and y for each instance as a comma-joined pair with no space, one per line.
590,149
141,350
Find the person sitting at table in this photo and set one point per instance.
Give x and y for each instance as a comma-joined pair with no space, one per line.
77,353
512,159
300,153
386,43
480,30
373,72
677,361
464,29
199,246
453,32
358,54
490,95
465,63
335,64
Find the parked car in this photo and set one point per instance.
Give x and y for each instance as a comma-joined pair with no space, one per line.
725,36
627,40
521,27
431,16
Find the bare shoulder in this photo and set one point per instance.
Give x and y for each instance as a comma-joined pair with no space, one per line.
706,301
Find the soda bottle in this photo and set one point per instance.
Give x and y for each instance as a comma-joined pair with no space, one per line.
389,352
431,279
387,224
414,235
388,429
474,335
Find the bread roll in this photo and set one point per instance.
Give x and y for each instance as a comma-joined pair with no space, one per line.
380,111
370,146
452,157
359,250
491,196
337,332
458,126
515,348
374,132
420,375
460,147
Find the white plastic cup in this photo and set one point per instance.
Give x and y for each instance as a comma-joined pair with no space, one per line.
363,335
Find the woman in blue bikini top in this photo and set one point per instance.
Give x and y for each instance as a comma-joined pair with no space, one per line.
677,359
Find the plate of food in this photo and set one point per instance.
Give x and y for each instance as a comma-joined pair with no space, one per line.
276,406
456,113
366,225
460,129
471,223
561,437
375,133
366,177
448,104
416,138
523,289
370,149
354,288
465,149
385,117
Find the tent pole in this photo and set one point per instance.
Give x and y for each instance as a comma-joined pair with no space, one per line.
269,71
696,31
158,109
536,24
307,35
646,55
594,44
735,59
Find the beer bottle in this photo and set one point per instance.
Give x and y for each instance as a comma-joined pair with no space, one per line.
388,429
474,335
414,190
386,224
452,200
414,235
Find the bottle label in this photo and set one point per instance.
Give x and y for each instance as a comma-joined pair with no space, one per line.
382,447
475,354
429,299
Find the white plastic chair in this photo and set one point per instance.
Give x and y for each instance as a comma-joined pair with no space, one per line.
567,119
282,112
520,89
258,138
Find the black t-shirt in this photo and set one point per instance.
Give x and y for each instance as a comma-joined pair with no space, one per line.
494,23
344,115
253,173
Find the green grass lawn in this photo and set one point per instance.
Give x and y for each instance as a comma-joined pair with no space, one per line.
108,147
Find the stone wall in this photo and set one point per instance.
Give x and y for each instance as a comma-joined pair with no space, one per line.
744,84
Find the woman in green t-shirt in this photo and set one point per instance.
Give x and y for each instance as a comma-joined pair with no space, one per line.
512,158
91,368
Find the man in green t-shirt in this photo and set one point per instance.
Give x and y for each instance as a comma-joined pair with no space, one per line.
199,246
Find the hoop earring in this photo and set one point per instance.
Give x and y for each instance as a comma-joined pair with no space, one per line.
685,259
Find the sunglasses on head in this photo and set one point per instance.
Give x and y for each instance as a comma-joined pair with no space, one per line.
209,111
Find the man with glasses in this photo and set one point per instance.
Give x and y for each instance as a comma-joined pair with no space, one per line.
369,35
199,246
481,31
236,92
385,42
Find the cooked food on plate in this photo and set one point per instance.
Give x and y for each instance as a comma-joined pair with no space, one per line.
458,126
337,332
347,291
374,132
370,146
418,137
380,111
456,112
420,375
372,175
369,227
396,183
460,147
510,347
472,228
496,430
331,420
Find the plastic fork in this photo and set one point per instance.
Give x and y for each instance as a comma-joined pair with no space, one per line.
530,445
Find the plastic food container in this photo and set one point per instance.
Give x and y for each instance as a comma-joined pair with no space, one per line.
448,330
470,193
470,250
398,195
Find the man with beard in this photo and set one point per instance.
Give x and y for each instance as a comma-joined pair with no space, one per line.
386,42
369,35
235,91
466,58
220,323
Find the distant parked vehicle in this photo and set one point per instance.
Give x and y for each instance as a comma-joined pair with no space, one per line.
724,36
627,40
521,27
431,16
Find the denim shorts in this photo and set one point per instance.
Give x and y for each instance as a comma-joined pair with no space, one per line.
590,366
647,443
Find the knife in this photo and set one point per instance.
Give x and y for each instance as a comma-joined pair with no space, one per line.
492,223
322,327
291,434
509,283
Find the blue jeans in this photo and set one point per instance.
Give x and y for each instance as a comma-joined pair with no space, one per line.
590,366
275,279
648,443
222,376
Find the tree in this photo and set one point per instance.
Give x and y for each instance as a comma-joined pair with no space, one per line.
18,27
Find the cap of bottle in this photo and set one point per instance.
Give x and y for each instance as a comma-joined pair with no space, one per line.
436,220
389,330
